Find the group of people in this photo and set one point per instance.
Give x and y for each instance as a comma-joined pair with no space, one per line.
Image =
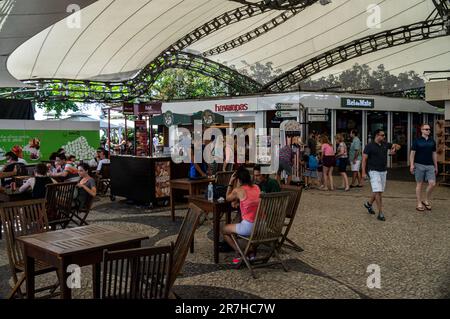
61,167
319,160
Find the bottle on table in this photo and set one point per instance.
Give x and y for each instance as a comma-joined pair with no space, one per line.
210,192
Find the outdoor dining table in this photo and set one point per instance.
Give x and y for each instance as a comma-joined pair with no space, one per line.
8,195
81,246
194,187
218,209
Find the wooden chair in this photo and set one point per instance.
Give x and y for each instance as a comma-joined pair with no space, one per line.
267,230
223,178
59,197
19,219
184,240
80,214
142,273
104,179
291,211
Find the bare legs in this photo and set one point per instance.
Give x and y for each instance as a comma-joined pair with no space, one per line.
377,198
328,178
357,178
345,181
428,192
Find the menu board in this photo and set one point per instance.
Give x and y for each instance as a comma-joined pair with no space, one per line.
162,179
141,138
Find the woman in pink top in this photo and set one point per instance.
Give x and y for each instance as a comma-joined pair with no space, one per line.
247,194
329,161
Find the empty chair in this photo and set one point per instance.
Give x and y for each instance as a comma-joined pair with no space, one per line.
223,178
184,240
142,273
267,230
291,212
20,219
103,179
59,199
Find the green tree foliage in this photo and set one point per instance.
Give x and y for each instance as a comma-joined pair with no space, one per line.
362,77
182,84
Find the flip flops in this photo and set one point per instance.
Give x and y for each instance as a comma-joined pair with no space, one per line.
427,206
420,208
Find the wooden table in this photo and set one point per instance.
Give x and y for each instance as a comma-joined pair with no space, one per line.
81,246
7,195
217,208
193,187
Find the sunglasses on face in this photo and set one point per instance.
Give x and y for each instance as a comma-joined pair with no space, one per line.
426,129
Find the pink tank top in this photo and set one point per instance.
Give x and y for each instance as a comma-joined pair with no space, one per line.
327,150
249,205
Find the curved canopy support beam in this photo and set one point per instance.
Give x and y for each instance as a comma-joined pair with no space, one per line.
387,39
260,30
76,90
276,4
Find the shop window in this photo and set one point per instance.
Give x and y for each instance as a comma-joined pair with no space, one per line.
376,121
400,136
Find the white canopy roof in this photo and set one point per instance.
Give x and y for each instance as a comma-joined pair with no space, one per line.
117,38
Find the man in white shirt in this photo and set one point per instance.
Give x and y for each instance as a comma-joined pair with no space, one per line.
103,160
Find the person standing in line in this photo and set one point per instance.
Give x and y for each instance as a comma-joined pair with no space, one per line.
355,157
329,162
285,162
424,166
375,163
342,161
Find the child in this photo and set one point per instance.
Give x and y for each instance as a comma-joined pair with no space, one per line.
311,164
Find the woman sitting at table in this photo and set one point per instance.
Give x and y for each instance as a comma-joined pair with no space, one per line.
248,196
37,183
86,187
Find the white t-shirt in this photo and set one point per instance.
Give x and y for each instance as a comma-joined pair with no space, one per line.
101,162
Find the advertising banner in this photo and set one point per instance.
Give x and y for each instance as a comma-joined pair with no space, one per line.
162,179
141,138
37,145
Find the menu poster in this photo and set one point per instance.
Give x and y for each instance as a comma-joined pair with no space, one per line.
141,138
162,179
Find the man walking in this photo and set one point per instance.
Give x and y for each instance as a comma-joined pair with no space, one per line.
355,157
423,159
375,162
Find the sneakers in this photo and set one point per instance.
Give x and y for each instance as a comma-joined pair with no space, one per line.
381,217
369,208
236,260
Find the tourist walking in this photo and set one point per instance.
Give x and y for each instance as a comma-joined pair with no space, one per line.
375,163
355,158
424,167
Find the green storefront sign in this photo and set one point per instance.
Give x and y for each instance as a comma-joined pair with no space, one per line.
357,103
37,145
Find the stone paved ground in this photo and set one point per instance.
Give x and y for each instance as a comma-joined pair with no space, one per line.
339,238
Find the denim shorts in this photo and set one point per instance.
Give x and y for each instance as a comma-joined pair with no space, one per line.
244,228
424,173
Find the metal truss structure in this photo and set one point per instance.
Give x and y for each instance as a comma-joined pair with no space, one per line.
89,91
276,4
260,30
435,26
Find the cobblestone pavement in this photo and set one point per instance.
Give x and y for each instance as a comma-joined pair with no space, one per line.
340,240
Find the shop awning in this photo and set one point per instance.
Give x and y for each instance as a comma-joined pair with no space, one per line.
169,118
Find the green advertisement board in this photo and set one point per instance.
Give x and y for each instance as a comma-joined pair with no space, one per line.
37,145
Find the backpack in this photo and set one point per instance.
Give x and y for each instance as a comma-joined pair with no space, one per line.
313,163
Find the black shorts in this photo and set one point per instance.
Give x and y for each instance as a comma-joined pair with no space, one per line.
342,164
329,161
